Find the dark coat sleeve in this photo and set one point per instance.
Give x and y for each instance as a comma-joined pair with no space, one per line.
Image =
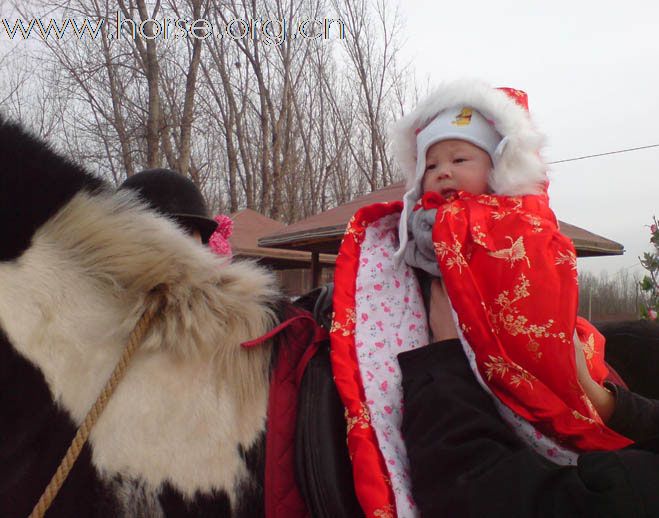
466,461
634,416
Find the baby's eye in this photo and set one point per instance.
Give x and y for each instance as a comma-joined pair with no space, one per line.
430,166
459,160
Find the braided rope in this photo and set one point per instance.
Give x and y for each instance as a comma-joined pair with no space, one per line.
94,413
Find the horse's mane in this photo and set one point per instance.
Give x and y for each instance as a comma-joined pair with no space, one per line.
208,304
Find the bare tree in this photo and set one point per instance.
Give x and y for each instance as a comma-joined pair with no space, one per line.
257,118
603,296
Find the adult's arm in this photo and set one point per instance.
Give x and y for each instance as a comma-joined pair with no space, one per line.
466,461
629,414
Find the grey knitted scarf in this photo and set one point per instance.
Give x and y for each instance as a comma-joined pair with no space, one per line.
419,250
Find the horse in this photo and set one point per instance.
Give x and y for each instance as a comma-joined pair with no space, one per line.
184,432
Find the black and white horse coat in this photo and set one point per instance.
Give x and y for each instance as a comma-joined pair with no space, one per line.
183,434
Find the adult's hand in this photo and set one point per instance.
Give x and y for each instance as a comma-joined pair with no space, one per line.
601,398
440,318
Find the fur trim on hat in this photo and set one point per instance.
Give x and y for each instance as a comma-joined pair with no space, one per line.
520,170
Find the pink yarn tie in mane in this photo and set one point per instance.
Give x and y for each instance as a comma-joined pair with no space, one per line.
219,240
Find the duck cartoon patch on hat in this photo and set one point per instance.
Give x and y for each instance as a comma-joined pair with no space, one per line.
463,118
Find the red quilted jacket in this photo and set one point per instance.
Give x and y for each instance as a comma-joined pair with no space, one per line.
298,337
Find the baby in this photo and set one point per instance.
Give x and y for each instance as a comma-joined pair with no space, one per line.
477,210
472,152
507,299
460,147
464,164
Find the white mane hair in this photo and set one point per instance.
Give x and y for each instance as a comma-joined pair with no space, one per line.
191,394
521,170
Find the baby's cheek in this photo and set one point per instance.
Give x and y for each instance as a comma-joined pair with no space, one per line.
426,183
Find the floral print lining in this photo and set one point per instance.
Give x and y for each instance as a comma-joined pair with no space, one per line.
391,319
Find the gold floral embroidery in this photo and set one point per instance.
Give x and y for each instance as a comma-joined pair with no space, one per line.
581,417
385,512
515,324
497,366
501,368
499,215
478,235
524,376
589,404
362,419
351,231
442,249
516,252
488,200
534,347
346,328
452,209
589,347
535,221
568,258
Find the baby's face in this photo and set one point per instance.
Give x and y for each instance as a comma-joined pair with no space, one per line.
456,165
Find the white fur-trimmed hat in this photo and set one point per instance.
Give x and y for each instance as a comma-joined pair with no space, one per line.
518,167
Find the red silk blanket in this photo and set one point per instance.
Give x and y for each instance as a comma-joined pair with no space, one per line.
512,280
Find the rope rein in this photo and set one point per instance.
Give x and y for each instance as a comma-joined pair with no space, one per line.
63,470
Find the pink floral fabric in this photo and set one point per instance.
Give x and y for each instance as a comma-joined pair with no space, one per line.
391,318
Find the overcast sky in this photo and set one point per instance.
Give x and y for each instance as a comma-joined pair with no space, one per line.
591,70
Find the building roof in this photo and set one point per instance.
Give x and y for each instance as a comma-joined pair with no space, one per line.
323,232
249,226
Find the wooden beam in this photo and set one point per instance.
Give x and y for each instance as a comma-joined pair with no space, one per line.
315,270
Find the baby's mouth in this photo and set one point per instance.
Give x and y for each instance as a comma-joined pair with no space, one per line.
448,193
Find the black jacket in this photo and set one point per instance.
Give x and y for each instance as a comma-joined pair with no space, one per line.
466,461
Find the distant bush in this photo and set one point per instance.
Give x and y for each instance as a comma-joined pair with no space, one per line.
650,283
